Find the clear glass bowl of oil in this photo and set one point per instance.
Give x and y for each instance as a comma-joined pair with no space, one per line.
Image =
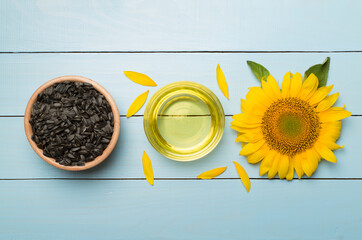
184,121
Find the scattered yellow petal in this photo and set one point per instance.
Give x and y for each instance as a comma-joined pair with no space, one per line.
243,176
222,82
212,173
137,104
147,168
140,78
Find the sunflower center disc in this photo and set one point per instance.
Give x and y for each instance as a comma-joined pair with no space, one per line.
290,126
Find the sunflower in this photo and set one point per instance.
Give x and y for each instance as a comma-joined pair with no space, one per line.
289,129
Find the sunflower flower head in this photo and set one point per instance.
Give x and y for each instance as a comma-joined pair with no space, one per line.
289,129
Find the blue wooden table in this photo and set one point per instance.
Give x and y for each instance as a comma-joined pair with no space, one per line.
172,41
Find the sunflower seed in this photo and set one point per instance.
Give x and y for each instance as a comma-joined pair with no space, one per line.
72,123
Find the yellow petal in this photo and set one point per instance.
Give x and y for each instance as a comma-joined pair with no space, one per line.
339,108
275,165
328,138
244,106
283,166
330,144
147,168
296,84
270,89
274,85
331,130
251,147
212,173
266,163
290,173
243,176
140,78
258,155
222,82
257,96
309,87
286,84
249,107
137,104
310,161
247,118
298,165
253,135
320,94
244,129
333,114
327,102
245,124
335,146
325,152
237,128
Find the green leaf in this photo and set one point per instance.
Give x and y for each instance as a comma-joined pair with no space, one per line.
321,72
258,70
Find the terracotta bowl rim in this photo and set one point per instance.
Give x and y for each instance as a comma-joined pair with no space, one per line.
116,128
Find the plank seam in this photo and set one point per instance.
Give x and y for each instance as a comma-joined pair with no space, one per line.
169,51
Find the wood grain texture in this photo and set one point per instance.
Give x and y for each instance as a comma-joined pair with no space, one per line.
184,40
210,209
22,74
110,25
18,160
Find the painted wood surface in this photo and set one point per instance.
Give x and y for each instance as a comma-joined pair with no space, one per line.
174,41
203,25
212,209
22,74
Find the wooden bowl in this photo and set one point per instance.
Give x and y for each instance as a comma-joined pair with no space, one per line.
116,127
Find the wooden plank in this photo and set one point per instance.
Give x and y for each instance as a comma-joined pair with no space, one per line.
18,160
22,74
216,209
50,25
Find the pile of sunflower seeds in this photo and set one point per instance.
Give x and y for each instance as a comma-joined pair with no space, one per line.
72,122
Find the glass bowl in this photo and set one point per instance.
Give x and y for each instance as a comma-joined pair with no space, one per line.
184,121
